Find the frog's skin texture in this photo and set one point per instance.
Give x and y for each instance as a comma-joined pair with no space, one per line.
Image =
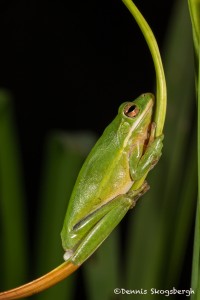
111,179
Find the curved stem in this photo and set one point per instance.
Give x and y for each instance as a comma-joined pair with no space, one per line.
42,283
161,90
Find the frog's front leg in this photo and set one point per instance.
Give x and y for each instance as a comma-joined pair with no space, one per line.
102,222
150,157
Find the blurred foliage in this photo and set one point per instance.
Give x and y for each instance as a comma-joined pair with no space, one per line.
152,248
13,229
194,7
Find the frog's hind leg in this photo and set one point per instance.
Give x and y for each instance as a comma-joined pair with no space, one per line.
102,229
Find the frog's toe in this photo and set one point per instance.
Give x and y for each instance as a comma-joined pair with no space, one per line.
68,254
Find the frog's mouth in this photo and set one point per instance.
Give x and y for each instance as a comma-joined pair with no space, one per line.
146,111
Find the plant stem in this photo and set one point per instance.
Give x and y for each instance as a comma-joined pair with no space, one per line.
161,90
41,283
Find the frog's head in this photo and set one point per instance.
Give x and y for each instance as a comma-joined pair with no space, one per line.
138,110
136,116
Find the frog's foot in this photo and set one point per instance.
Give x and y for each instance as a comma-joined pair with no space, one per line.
150,157
68,254
136,194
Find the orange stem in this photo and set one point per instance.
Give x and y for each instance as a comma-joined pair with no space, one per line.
41,283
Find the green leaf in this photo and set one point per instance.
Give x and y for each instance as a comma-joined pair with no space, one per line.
12,211
194,6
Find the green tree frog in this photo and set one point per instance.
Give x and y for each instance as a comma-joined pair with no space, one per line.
111,179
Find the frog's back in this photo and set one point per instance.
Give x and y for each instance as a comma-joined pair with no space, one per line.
104,175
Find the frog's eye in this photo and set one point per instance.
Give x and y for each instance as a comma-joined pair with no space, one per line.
131,110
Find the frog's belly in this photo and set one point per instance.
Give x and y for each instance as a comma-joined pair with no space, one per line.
116,182
111,188
117,188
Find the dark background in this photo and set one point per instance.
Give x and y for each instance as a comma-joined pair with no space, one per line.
69,64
